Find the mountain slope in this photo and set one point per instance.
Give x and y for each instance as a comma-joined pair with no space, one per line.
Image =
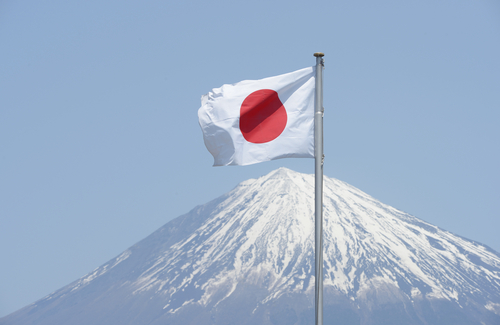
248,258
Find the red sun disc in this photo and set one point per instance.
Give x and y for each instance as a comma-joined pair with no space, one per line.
262,116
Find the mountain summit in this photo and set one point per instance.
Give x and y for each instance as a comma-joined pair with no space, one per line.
247,257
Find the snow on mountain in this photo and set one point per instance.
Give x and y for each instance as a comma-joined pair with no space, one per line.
247,257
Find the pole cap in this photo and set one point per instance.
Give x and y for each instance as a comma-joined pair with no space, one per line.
319,54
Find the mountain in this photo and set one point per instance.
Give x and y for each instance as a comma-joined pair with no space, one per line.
247,257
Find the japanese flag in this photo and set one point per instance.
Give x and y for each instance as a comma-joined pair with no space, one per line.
260,120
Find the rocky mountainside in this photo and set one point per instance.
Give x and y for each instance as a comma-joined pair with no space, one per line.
247,257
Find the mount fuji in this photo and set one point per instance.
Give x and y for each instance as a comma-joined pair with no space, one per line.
247,257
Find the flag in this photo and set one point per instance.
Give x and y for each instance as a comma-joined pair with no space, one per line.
254,121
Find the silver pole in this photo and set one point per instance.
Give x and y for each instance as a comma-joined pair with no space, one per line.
318,190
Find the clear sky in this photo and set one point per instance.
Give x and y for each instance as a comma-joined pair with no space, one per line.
99,136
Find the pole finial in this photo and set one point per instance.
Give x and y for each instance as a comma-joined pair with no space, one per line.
319,54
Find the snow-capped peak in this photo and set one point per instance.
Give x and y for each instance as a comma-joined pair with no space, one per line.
251,252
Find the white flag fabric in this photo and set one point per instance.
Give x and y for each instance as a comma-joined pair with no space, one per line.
260,120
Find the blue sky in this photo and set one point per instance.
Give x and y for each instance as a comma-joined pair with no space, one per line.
99,137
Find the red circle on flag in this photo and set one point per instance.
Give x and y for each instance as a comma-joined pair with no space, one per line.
262,116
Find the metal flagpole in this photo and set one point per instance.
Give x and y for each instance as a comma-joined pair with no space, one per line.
318,189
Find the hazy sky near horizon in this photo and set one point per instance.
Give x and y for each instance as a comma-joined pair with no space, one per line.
99,137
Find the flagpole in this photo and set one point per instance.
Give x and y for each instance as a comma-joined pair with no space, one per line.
318,189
